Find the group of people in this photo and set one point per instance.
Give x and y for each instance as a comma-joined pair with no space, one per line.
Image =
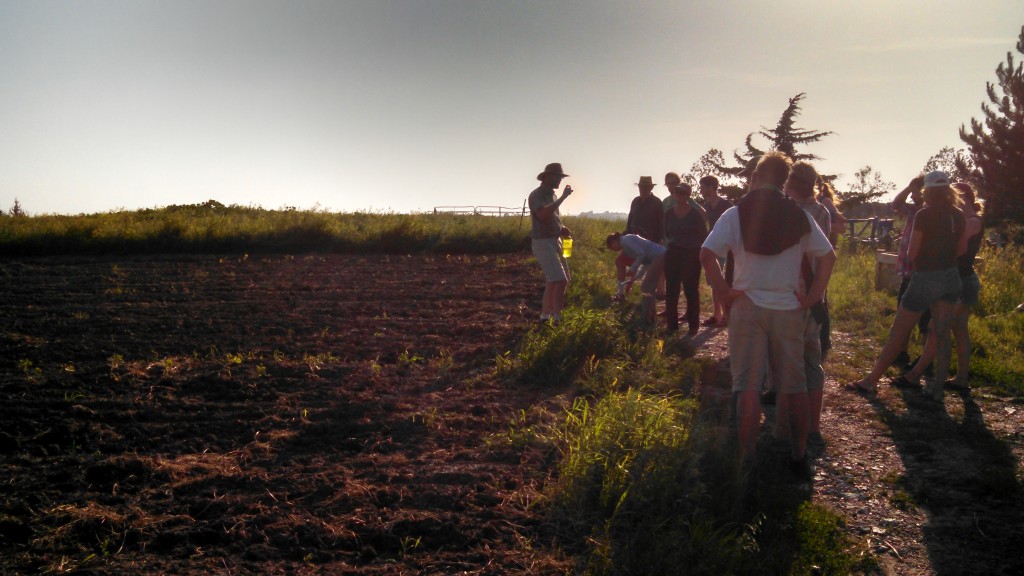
661,244
939,285
768,259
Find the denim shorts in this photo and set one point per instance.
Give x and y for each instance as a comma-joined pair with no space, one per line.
970,289
927,288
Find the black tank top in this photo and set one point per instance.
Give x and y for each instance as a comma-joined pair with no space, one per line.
965,262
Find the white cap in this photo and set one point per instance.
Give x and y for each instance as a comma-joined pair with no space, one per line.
936,178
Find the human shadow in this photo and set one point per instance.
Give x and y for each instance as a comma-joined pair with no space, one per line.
962,476
767,494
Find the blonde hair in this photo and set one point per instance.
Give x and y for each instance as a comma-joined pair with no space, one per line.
968,196
773,167
826,189
802,177
944,194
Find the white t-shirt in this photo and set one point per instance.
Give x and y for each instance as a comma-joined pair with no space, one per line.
769,281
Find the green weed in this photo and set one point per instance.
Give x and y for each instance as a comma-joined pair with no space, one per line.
554,355
444,363
407,360
32,373
632,480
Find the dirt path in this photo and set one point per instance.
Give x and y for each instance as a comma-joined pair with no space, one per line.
929,489
340,415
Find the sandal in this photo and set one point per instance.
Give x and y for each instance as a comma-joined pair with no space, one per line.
954,385
856,387
904,382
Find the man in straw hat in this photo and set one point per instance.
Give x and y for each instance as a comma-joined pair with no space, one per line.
546,233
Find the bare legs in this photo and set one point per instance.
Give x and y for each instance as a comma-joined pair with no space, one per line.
942,316
963,343
958,323
942,312
815,401
902,325
748,411
554,296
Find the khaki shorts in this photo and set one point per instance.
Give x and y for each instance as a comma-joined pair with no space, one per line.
549,253
764,340
813,371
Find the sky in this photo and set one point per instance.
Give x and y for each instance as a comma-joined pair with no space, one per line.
402,106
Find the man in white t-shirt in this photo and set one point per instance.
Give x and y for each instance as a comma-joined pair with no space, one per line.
768,235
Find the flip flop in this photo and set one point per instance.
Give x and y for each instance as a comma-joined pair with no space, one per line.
856,387
904,382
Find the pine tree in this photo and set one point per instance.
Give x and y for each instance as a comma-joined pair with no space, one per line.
785,137
997,143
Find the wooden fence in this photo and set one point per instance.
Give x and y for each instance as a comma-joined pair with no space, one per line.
480,210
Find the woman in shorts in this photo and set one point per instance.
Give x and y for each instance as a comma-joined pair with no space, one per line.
970,289
935,242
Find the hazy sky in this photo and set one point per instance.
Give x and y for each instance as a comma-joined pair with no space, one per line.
401,106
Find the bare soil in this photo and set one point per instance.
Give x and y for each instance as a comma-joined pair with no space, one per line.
341,415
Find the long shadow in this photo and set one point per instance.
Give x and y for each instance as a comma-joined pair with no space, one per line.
768,495
965,480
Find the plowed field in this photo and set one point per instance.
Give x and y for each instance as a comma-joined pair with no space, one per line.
258,415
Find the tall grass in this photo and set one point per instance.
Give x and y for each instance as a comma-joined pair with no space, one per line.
633,484
997,322
553,355
214,228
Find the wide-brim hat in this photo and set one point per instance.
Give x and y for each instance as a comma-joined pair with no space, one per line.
646,181
553,168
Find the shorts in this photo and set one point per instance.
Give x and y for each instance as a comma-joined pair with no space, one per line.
970,290
927,288
813,347
761,339
548,252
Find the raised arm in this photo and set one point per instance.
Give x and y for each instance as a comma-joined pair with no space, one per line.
545,213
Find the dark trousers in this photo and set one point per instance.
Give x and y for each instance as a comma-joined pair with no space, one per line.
682,266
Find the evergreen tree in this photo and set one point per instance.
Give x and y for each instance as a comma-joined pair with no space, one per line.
785,137
997,143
